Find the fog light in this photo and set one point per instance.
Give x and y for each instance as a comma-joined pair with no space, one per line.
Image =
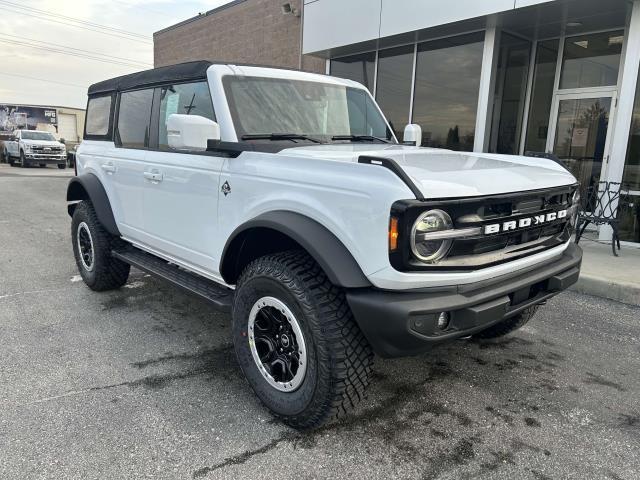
443,320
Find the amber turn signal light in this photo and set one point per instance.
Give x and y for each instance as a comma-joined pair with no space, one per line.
393,234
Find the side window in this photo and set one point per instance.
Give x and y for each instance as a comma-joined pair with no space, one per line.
134,117
184,98
98,115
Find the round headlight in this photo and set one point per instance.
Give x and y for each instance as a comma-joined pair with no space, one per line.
426,249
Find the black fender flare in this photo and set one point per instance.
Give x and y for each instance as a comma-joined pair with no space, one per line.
89,187
322,245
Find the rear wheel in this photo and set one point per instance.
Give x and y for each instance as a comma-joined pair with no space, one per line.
10,159
92,246
509,325
297,341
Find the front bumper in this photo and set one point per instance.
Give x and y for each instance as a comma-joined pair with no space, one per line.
43,158
405,323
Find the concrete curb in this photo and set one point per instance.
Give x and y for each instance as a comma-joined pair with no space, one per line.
619,291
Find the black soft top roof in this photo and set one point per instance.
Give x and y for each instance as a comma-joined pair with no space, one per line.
171,73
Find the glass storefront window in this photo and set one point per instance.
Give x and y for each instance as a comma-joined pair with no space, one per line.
511,88
544,75
591,60
393,89
581,136
629,214
359,68
446,90
631,176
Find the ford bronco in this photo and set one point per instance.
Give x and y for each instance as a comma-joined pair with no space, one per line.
284,198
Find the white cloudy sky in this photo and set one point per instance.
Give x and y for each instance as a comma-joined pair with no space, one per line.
41,76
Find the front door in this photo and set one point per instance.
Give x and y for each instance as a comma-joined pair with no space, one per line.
579,133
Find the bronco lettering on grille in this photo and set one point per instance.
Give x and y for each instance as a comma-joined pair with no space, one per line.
524,222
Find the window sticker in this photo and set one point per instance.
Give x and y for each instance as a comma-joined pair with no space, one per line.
173,101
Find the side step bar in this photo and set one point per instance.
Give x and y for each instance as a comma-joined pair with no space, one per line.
221,297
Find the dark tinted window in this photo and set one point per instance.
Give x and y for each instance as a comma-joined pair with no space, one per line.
511,86
98,114
544,75
591,60
359,68
134,115
393,90
446,91
186,99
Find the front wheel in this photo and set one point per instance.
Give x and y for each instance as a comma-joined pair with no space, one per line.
297,341
62,166
23,161
92,246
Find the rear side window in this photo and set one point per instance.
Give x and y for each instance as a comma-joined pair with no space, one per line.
134,117
186,99
98,116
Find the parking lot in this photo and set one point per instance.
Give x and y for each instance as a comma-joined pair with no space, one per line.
142,382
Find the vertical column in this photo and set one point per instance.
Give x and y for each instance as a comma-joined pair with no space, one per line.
626,96
487,85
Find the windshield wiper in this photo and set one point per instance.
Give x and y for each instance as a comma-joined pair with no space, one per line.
279,136
360,138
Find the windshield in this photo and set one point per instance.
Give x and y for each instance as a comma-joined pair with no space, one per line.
26,135
275,105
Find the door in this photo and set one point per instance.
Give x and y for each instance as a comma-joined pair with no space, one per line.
580,133
181,188
123,164
67,127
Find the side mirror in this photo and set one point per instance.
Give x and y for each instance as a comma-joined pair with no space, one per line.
62,140
191,132
412,135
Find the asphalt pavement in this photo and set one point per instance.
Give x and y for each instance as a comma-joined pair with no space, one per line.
142,383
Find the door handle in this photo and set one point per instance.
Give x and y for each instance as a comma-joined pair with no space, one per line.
154,177
108,167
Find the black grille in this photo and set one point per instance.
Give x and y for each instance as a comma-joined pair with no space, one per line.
483,249
42,149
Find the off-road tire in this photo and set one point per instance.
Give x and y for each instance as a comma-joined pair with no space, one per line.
108,273
339,358
509,325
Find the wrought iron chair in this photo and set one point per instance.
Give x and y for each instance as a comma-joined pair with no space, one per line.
599,206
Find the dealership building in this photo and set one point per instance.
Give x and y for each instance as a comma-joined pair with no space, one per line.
500,76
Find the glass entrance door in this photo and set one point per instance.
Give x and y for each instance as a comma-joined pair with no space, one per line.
580,133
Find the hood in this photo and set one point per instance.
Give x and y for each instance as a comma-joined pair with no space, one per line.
43,143
444,173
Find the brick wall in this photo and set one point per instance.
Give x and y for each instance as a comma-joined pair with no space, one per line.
249,31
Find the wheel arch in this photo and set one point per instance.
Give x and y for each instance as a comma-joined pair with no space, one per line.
88,187
283,230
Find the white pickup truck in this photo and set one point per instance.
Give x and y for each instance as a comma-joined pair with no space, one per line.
284,198
34,147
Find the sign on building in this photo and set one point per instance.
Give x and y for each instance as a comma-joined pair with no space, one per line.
31,118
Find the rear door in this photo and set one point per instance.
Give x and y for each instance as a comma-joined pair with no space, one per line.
181,187
123,164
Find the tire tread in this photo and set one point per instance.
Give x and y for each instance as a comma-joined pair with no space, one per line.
345,366
110,273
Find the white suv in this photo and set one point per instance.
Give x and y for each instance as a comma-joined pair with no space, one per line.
285,198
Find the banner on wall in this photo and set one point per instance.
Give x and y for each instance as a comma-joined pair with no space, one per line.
13,117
